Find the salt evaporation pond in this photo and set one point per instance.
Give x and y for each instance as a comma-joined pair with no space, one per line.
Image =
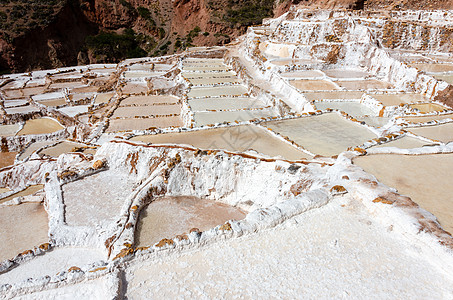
355,109
333,95
448,78
148,100
7,159
235,90
143,124
305,74
397,99
212,81
60,148
206,118
97,205
428,107
103,98
313,85
443,133
345,73
201,75
53,102
433,68
304,256
40,126
367,84
237,138
23,227
424,178
30,190
327,134
224,103
405,142
171,216
51,263
143,111
422,119
33,147
9,130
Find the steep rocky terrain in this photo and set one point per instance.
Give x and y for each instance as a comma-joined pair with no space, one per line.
54,33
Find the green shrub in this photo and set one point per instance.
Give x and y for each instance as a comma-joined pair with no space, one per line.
114,47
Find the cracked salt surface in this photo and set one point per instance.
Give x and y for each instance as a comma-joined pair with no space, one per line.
330,252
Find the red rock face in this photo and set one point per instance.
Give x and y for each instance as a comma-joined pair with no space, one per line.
59,43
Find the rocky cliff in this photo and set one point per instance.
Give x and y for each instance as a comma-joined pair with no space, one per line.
54,33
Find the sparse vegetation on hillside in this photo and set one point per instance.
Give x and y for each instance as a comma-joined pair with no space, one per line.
19,16
113,47
248,12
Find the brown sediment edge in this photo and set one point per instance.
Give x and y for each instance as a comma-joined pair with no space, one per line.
214,151
409,207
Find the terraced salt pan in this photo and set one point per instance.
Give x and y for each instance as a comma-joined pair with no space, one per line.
48,96
51,263
305,74
34,147
170,216
7,159
433,68
27,92
305,256
238,138
428,107
143,124
333,95
290,62
206,68
224,103
30,190
13,94
136,74
447,78
4,190
100,203
103,98
327,134
346,73
428,118
367,84
355,109
405,142
236,90
60,148
397,99
40,126
21,110
13,103
73,111
206,118
85,89
9,130
23,227
443,133
152,110
134,88
148,100
313,85
67,85
424,178
199,75
53,102
93,289
210,81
